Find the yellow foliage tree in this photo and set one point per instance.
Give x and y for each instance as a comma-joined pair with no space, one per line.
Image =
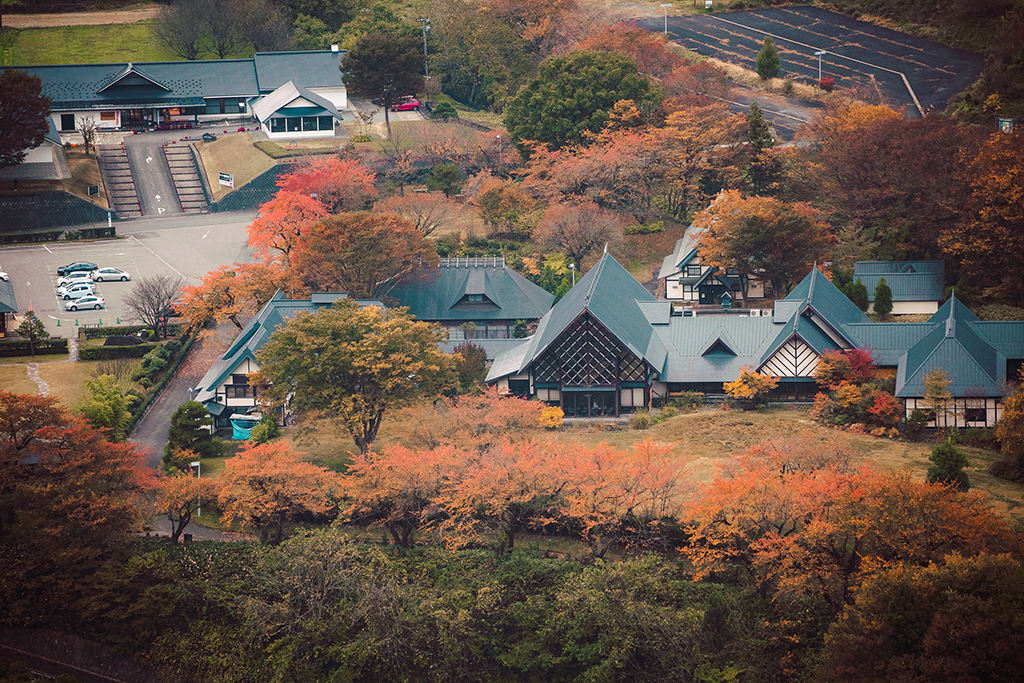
751,387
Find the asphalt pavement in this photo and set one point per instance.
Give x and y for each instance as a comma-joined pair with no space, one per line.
152,174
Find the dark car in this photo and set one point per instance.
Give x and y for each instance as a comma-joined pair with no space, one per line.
80,265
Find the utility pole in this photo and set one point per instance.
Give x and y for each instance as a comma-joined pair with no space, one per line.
425,23
664,8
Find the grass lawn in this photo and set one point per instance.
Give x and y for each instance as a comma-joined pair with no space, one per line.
235,154
14,378
40,358
97,44
85,172
67,380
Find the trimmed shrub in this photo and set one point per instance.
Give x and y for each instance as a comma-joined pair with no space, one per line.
114,352
20,347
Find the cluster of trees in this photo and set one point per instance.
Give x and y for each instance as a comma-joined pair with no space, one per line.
792,563
853,396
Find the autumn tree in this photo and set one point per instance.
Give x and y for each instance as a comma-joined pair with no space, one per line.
266,487
181,27
937,396
385,68
470,364
752,388
768,61
23,115
354,363
762,238
67,496
648,49
263,24
579,229
32,329
366,254
948,621
428,211
180,497
233,293
281,222
989,232
504,206
572,95
1010,432
338,184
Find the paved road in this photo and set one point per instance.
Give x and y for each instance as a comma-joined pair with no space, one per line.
152,174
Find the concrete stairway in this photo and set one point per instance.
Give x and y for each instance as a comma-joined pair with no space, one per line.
118,179
185,175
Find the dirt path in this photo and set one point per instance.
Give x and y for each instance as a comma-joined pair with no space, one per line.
128,16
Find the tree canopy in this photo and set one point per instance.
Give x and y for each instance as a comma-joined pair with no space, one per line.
354,363
385,68
23,115
573,95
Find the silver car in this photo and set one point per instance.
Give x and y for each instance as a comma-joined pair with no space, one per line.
76,291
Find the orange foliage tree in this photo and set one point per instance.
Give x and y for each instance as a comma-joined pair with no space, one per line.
181,496
473,422
428,211
649,50
366,254
338,184
234,293
989,237
267,486
280,224
762,238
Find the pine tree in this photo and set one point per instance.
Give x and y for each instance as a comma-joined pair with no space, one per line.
858,294
883,298
768,61
949,466
760,134
32,328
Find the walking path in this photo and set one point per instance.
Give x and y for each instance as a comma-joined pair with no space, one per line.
33,374
129,16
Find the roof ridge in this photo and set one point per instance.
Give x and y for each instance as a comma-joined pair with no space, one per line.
599,266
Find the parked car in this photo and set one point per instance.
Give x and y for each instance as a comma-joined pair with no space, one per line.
73,277
4,277
109,274
78,265
76,290
409,104
88,301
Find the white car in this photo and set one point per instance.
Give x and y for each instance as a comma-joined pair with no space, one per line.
109,274
89,301
76,290
4,277
73,277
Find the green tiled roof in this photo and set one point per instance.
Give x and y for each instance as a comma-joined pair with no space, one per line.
437,296
908,280
8,304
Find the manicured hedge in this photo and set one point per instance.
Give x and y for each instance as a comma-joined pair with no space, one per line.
114,352
276,151
171,368
57,235
20,347
173,330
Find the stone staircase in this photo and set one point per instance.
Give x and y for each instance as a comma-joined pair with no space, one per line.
118,179
185,175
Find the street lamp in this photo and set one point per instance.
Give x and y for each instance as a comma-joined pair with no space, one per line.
499,150
818,54
665,7
572,267
199,475
425,23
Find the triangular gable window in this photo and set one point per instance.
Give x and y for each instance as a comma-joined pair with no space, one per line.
795,358
719,348
133,77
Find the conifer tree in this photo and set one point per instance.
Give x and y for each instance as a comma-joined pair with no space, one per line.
883,298
768,61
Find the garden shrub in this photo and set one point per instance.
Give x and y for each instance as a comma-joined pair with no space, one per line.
551,417
640,419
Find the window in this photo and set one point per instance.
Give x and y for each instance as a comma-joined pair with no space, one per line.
239,379
67,121
693,270
308,123
276,125
326,122
975,415
294,125
239,391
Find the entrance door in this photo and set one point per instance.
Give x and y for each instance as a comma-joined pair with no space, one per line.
588,403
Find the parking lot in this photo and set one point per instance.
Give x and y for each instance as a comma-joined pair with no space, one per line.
167,249
857,54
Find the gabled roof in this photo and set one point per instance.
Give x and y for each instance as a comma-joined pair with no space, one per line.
612,296
817,292
131,76
288,94
257,331
684,252
973,364
320,69
436,296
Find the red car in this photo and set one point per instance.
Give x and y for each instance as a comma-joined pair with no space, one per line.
410,104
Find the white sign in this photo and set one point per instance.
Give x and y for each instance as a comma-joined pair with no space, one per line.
707,4
226,179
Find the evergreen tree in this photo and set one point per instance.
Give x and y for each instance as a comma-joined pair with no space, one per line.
768,61
883,298
32,328
190,431
760,133
858,294
948,468
445,177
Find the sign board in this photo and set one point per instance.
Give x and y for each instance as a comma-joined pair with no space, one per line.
94,189
707,4
226,179
1005,125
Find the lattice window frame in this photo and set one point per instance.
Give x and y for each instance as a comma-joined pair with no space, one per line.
587,354
795,358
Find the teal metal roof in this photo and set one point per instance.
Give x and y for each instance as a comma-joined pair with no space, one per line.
888,341
1005,335
909,281
439,296
8,304
255,334
974,365
319,69
818,292
684,252
953,308
861,268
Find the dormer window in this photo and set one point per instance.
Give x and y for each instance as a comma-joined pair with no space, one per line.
474,298
693,270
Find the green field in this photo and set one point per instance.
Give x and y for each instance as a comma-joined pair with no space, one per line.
95,45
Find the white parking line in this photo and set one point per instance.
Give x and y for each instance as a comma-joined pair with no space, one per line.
47,248
132,237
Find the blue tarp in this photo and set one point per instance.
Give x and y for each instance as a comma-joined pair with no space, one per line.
241,426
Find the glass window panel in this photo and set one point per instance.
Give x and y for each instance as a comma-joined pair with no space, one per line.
294,124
